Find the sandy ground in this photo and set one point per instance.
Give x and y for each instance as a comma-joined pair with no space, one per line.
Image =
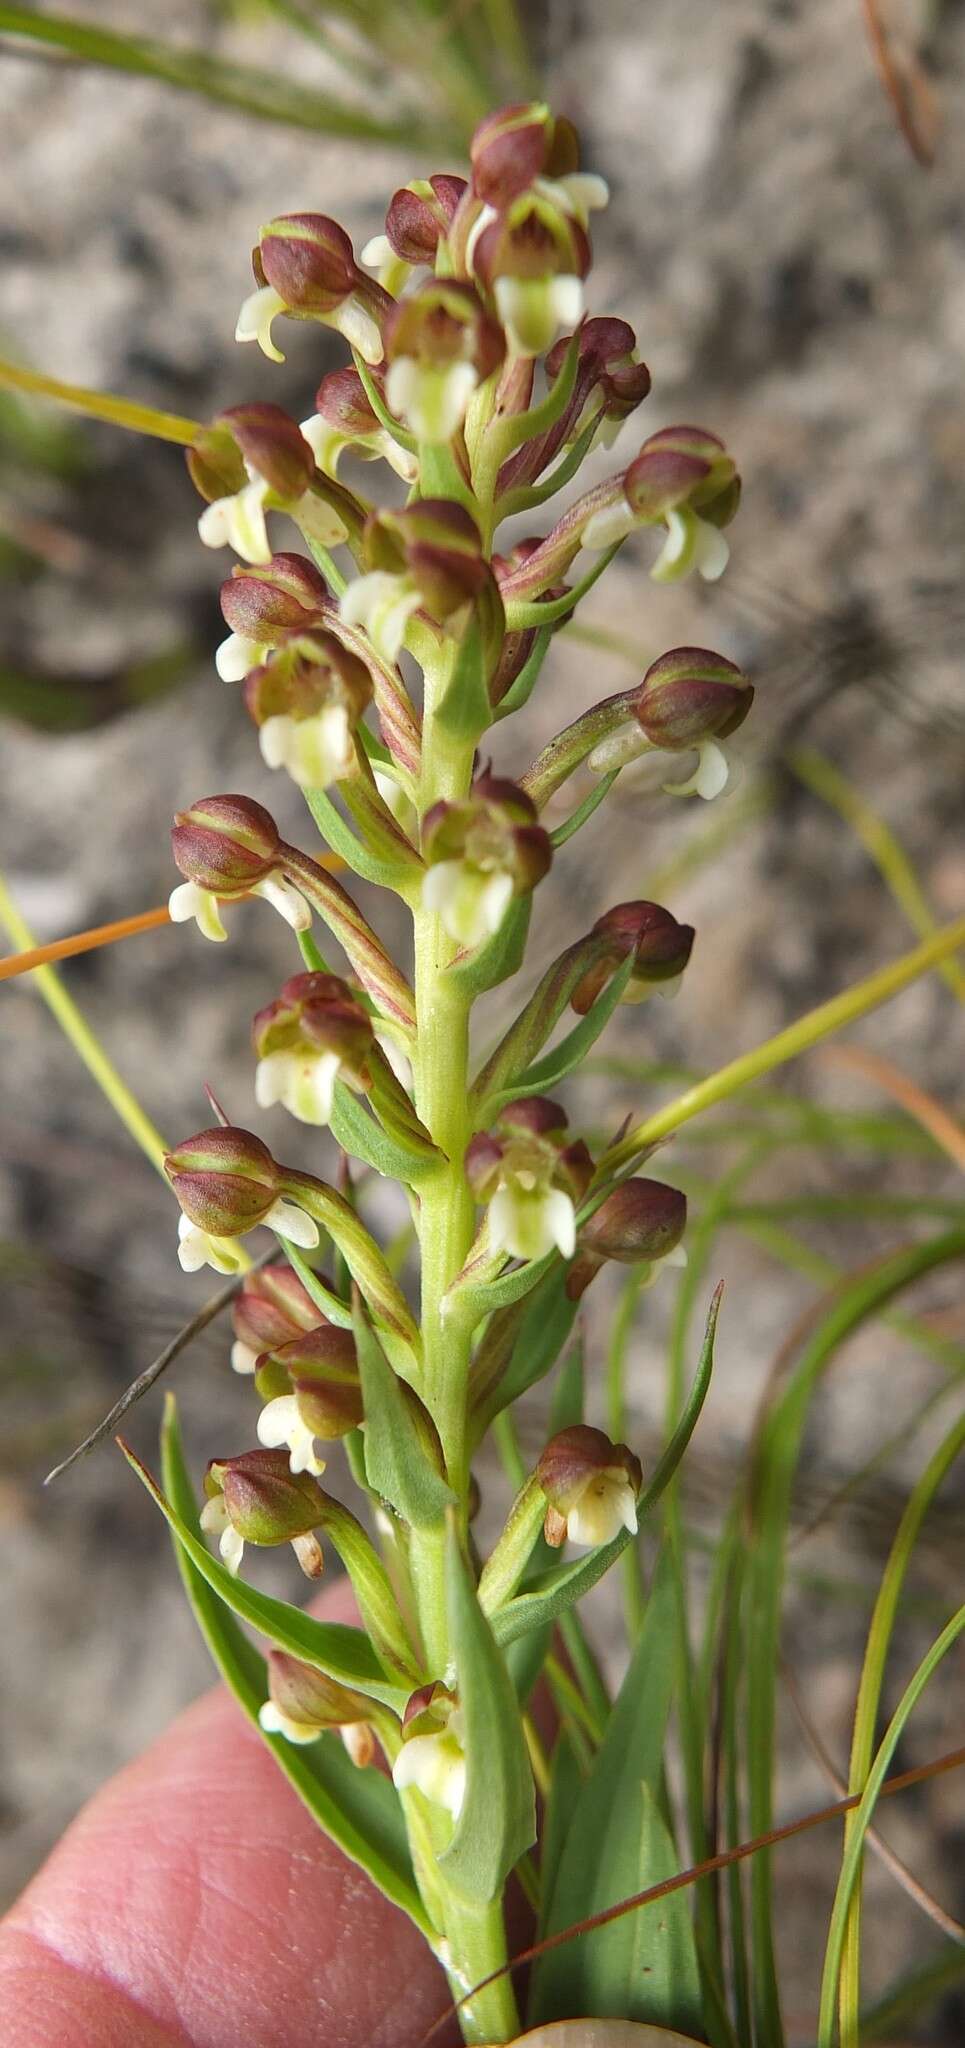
799,285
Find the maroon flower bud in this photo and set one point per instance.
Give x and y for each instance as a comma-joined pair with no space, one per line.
592,1486
681,466
437,543
691,695
264,604
514,146
534,1114
320,1368
273,1307
320,1010
272,445
225,1180
265,1502
309,260
642,1220
660,947
420,215
225,844
444,321
305,1701
215,464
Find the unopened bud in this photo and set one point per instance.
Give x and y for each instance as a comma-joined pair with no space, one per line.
641,1221
514,146
227,1182
659,945
303,1702
225,844
420,215
689,696
272,1307
309,260
255,1498
592,1486
285,596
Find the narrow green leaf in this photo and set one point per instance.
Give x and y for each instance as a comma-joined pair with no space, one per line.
554,1591
571,1050
363,1138
565,1783
498,1820
644,1965
262,94
359,1810
396,1459
342,1653
338,834
520,692
584,811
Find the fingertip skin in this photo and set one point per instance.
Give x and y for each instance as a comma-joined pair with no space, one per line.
194,1903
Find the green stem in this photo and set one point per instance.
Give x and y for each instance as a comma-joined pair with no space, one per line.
787,1045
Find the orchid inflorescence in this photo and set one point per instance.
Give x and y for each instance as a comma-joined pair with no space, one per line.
481,385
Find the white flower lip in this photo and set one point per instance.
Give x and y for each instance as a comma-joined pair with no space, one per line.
302,1080
236,656
529,1222
188,901
280,1427
316,751
432,401
257,312
214,1521
239,522
470,901
197,1249
436,1766
291,1222
710,776
535,310
274,1722
286,899
382,605
691,543
607,1505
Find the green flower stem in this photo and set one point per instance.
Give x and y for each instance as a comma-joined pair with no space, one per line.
475,1938
788,1045
84,1040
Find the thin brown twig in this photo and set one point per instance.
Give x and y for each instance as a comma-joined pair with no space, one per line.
931,1115
951,1762
905,86
900,1872
148,1378
84,942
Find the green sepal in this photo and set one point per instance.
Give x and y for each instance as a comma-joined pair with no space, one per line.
571,1050
552,1592
543,1328
441,477
396,1460
376,1600
642,1966
498,1820
329,1646
584,811
392,426
330,1304
524,426
464,709
371,864
358,1809
358,1134
520,692
501,956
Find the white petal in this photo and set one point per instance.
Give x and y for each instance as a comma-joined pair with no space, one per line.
376,251
713,551
325,442
611,523
436,1766
709,777
288,1220
197,1249
381,604
243,1357
236,656
400,1065
272,1076
607,1506
322,749
530,1224
280,1427
470,902
232,1548
431,400
319,522
274,1722
483,218
395,799
401,460
677,1257
561,1221
359,329
534,310
255,318
187,901
273,740
287,900
579,193
213,1518
311,1093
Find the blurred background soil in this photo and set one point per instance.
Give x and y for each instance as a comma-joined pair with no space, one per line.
797,283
